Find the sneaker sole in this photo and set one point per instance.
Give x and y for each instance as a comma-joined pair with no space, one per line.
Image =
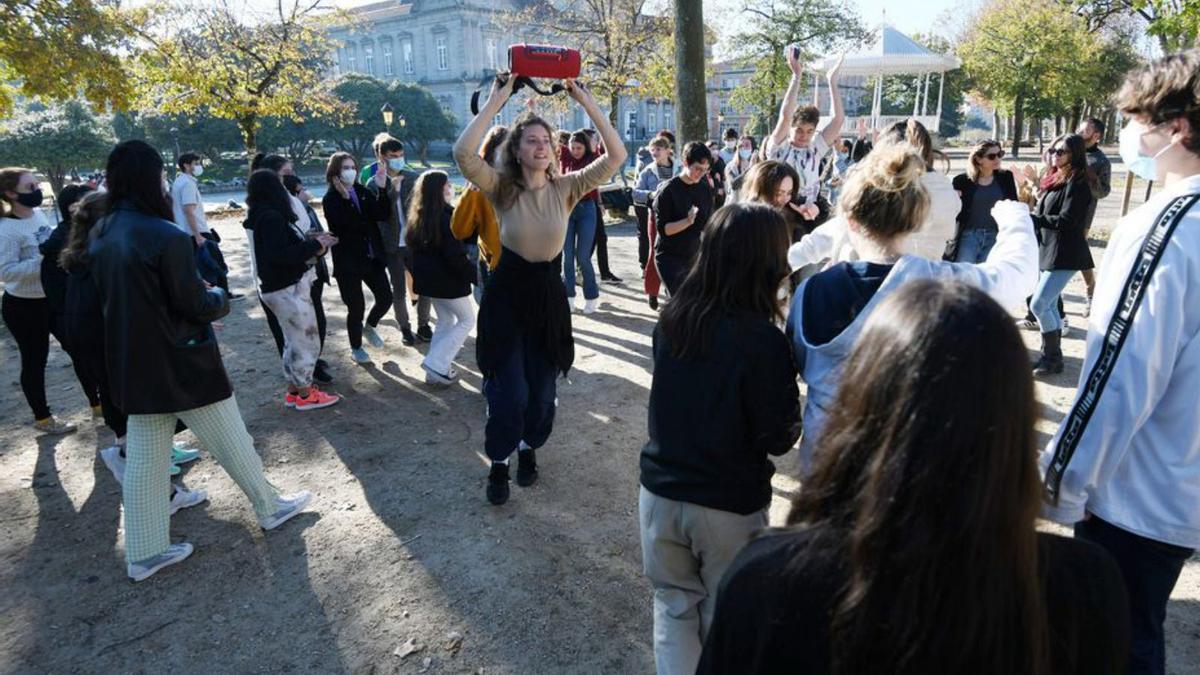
188,460
146,574
438,378
177,508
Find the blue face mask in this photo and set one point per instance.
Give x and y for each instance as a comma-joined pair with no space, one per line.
1140,165
396,163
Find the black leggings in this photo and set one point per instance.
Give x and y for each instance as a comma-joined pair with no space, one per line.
29,321
643,234
273,323
350,288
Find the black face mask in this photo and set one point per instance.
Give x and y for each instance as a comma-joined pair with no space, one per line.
30,199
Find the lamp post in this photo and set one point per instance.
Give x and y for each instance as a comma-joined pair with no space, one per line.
388,113
403,122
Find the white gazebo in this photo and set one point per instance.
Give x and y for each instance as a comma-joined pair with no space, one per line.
893,53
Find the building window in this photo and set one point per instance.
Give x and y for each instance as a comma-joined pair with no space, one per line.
369,59
630,124
406,51
442,56
387,59
493,56
351,59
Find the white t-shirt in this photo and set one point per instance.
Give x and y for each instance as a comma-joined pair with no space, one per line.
806,161
185,190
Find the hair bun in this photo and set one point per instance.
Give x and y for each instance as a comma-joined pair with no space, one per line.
894,168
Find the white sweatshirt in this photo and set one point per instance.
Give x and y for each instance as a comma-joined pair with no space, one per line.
1129,449
20,258
1009,275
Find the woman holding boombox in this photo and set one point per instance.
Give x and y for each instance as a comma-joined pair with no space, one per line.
524,327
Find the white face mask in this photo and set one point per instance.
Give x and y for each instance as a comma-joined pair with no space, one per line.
197,170
348,176
1140,165
729,145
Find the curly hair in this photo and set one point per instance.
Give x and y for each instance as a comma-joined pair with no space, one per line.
512,179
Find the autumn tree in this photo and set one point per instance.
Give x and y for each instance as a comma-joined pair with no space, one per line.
617,39
818,26
64,49
242,67
1027,56
1175,23
57,140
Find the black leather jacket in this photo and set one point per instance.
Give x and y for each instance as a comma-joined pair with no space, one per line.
160,350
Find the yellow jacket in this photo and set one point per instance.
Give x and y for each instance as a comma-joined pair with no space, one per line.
475,215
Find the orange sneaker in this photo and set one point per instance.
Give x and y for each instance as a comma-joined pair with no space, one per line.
315,400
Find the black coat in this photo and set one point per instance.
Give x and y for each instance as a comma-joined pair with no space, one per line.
1061,219
966,188
443,271
360,243
54,279
281,255
161,353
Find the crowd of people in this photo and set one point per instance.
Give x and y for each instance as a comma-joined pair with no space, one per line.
851,264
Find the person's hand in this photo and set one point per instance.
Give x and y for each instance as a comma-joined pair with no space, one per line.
793,62
861,127
692,213
832,75
502,92
397,181
381,175
578,92
1029,173
199,239
531,104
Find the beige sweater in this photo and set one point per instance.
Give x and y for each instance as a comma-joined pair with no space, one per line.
535,225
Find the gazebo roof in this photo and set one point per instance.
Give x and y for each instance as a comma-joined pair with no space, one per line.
890,53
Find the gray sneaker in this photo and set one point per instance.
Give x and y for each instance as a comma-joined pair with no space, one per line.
287,506
114,461
183,498
144,569
373,336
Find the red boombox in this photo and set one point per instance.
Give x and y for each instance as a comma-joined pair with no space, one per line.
554,63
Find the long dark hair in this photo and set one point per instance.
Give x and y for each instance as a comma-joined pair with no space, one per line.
742,260
134,173
583,138
926,484
91,208
265,192
68,197
265,161
1078,166
425,212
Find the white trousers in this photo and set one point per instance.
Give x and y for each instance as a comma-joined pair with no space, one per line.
455,319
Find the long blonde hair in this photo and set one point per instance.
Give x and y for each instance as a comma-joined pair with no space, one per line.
980,149
884,193
512,179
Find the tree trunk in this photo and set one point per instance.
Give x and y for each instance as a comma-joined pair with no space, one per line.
614,101
691,108
423,151
995,123
1018,124
58,178
248,126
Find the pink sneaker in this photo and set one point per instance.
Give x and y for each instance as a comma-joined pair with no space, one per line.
289,400
316,399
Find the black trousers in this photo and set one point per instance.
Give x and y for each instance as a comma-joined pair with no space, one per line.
318,288
643,234
350,287
1150,569
222,281
672,270
29,321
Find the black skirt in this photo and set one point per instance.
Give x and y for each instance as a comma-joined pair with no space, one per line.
524,300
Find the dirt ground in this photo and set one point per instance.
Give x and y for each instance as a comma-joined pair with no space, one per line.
401,566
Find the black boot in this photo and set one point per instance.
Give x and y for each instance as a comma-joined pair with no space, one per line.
321,372
1051,361
527,472
497,486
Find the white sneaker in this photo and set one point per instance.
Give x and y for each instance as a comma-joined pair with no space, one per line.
144,569
288,506
114,461
590,306
184,498
435,378
1066,328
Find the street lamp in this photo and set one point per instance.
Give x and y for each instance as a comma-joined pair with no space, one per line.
403,122
388,113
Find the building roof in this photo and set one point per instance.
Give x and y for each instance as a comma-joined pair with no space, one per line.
890,53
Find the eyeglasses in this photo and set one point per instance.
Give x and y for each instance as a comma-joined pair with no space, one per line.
1058,152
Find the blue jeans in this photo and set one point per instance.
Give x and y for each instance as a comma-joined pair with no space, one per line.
581,233
1150,569
1044,304
520,400
975,244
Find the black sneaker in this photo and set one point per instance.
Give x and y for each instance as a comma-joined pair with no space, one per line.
234,297
407,337
611,279
497,487
654,302
321,372
424,334
526,467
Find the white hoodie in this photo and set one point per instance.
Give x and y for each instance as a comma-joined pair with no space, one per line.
1129,450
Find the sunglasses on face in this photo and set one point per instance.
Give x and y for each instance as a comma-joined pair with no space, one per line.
1059,152
994,155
